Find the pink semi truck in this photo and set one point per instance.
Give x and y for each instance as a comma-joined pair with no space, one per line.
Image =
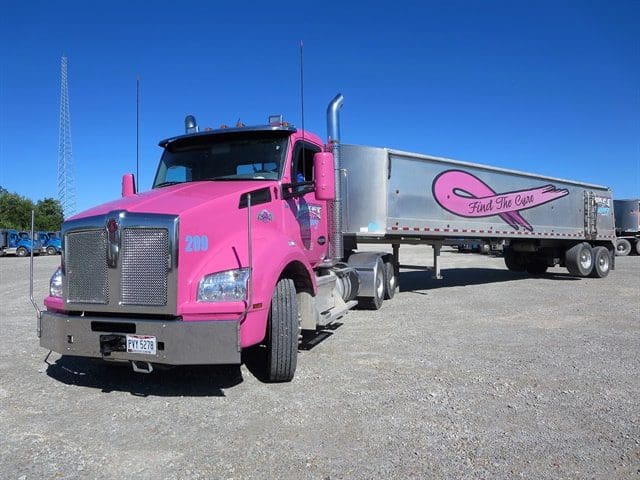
250,236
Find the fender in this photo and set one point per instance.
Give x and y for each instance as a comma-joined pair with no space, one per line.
267,274
273,253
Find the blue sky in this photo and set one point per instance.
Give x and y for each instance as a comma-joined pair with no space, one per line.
545,87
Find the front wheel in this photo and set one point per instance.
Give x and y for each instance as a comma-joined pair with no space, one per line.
51,251
283,329
21,252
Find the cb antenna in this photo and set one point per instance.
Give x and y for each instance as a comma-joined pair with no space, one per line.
137,131
302,84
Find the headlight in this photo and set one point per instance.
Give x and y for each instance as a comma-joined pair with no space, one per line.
229,286
55,284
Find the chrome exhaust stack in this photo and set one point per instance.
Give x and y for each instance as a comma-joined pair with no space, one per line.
336,242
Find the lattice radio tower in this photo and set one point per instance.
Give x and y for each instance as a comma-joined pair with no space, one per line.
66,180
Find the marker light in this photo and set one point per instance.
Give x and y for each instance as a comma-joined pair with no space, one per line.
190,125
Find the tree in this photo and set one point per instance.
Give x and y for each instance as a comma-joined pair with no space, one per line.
15,212
49,215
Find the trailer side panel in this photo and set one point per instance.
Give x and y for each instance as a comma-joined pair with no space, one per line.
391,192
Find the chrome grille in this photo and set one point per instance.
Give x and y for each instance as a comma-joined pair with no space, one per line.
145,263
86,267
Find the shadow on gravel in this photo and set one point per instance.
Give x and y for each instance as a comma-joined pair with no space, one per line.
188,381
420,279
255,358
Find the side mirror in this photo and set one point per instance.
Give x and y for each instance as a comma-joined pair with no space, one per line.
128,185
324,175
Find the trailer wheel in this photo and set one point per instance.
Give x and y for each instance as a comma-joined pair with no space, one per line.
513,261
623,247
21,252
390,280
579,259
536,266
283,330
601,262
375,302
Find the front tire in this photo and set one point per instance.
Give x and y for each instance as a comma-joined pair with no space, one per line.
283,330
51,251
21,252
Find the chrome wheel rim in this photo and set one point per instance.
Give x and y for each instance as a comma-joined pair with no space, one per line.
586,259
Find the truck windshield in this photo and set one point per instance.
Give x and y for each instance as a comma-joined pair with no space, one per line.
235,156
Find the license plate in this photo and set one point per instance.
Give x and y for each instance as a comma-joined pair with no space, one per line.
144,344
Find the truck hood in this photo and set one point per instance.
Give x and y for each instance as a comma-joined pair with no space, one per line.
177,199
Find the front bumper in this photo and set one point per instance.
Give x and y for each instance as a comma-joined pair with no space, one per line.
179,342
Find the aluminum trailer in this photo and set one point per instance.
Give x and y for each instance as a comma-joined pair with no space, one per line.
627,214
395,197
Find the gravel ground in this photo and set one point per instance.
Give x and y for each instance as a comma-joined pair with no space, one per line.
485,374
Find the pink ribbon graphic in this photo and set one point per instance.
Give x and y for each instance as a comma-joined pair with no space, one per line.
467,196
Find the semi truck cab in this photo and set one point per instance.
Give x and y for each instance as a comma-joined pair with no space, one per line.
229,249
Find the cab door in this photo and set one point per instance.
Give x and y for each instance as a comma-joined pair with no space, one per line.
306,216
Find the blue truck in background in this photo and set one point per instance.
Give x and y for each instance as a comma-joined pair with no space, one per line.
13,242
50,241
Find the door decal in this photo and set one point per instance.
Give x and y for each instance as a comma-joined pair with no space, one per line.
467,196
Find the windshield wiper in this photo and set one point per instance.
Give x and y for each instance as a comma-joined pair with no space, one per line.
166,184
223,179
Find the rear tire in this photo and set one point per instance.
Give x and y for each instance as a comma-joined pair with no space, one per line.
623,247
601,262
537,266
21,252
513,261
375,302
390,280
638,246
283,330
579,259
